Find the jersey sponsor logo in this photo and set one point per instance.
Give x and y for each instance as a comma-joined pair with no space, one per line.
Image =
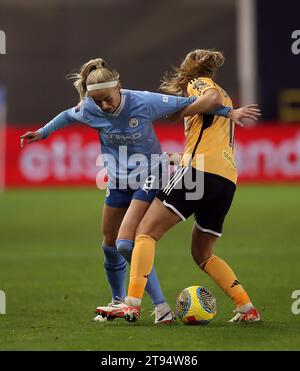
121,139
229,158
133,122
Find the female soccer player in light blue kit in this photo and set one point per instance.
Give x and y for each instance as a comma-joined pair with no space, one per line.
124,120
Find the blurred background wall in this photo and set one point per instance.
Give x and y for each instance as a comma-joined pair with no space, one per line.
48,39
278,59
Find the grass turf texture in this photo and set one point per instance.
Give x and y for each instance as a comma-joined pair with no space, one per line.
51,269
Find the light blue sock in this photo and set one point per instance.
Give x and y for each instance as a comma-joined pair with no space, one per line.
115,266
153,288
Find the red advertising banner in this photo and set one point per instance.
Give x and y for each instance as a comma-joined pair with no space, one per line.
67,157
264,153
268,153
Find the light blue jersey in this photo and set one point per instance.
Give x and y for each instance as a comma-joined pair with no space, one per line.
125,133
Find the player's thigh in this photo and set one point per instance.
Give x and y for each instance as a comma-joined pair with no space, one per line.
132,218
111,221
141,199
215,204
157,220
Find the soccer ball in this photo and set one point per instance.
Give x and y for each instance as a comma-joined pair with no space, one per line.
195,305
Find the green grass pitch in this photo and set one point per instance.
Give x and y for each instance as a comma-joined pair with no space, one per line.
51,269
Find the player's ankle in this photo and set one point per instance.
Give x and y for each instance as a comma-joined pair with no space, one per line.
135,302
245,308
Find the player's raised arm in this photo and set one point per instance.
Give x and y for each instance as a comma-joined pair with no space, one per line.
176,108
60,121
211,102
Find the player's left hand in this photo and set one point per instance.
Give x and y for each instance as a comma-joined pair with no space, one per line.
251,112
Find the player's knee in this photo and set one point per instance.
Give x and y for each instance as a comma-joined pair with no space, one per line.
200,254
125,248
112,258
196,256
109,239
149,230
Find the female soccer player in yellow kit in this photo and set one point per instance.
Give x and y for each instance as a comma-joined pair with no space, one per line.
204,185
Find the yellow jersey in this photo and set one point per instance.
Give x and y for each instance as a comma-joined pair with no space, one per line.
210,136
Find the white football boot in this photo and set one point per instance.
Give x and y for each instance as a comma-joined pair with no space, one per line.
163,314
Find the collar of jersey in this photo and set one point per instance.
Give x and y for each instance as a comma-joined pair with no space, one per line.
118,110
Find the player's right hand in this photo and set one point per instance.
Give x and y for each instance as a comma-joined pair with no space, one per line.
29,137
251,112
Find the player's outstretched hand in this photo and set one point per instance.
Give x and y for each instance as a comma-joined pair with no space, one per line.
29,137
251,112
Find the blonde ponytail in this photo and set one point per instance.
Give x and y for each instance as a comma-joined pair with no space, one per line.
197,63
92,72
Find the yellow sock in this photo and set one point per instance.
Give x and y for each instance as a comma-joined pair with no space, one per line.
141,265
225,278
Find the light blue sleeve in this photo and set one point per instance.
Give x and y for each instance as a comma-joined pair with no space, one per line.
60,121
161,105
221,111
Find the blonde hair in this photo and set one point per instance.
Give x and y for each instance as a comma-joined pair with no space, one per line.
93,72
197,63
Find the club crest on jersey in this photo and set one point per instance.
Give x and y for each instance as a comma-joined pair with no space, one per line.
133,122
199,85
